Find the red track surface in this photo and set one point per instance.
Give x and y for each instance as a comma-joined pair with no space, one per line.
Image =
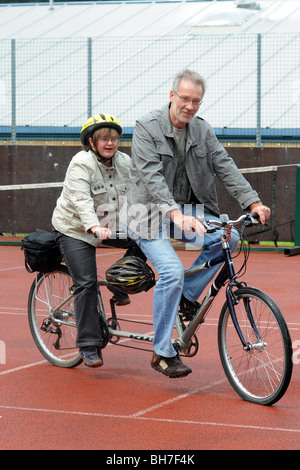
126,405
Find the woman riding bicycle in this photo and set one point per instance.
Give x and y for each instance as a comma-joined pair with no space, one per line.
92,194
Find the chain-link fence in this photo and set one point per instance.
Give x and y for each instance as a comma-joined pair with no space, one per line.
49,87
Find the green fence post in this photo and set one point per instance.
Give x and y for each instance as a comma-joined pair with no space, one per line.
296,249
13,93
297,208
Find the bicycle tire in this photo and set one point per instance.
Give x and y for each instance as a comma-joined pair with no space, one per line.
55,341
261,374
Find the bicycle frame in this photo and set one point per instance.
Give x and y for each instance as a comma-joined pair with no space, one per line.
226,273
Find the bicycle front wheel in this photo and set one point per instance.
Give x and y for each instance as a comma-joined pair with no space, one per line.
261,371
52,319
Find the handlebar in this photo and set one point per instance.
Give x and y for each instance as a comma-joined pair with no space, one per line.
249,219
115,235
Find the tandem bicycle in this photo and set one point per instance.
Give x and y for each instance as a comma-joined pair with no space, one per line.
254,343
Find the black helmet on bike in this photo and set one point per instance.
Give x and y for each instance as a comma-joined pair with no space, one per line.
131,275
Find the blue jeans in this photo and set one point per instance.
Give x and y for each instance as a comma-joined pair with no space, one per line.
171,283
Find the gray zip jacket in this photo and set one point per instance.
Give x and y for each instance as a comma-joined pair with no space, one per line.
153,165
92,195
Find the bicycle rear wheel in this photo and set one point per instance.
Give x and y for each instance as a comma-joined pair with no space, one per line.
50,303
261,372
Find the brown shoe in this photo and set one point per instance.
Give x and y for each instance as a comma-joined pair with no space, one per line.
173,367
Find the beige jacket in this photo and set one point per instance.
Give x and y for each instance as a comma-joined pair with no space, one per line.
92,194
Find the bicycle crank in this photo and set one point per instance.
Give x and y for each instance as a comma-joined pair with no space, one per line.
193,347
114,325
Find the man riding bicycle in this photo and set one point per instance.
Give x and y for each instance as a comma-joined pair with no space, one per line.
175,158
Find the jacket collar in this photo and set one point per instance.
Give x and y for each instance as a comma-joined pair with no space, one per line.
165,123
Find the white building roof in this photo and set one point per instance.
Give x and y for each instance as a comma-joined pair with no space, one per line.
127,67
146,18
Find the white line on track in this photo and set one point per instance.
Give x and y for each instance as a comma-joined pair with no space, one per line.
27,366
143,418
12,268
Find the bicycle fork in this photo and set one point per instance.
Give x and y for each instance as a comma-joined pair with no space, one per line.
232,301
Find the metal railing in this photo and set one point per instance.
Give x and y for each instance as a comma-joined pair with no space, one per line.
49,87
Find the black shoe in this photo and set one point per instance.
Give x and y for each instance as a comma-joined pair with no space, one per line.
188,309
91,356
119,298
173,367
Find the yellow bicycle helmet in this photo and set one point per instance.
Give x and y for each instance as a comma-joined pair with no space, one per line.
130,275
96,122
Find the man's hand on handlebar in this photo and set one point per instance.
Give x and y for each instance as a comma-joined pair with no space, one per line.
187,223
263,212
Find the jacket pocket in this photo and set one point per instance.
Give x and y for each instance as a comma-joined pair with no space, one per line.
198,152
166,157
202,161
99,194
163,149
121,188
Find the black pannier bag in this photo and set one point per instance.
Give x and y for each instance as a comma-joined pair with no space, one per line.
41,252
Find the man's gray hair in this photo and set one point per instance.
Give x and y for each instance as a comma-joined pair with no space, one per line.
188,75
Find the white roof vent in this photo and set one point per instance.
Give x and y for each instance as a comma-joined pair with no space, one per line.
247,4
221,15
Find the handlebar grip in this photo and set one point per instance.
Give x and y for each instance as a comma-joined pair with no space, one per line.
254,215
209,228
115,235
252,219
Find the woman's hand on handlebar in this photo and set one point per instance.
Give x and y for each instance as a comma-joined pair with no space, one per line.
103,233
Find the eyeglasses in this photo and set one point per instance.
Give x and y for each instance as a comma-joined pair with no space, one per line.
195,103
114,140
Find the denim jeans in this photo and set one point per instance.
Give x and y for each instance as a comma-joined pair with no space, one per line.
80,257
171,283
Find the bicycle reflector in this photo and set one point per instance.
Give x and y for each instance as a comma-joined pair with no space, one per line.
130,275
